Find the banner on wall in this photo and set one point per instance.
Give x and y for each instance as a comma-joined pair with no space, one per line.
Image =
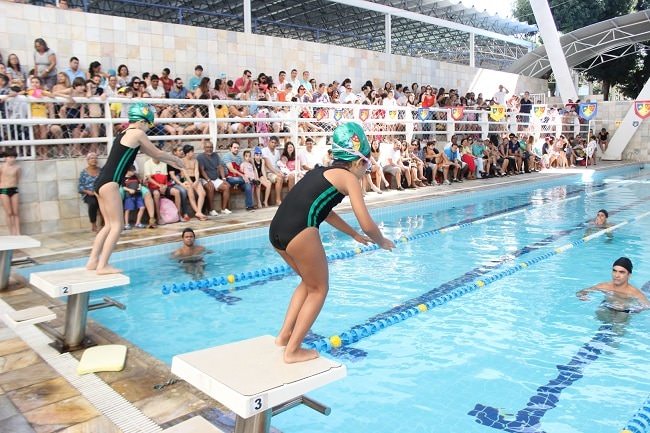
539,110
393,114
424,113
642,109
321,114
457,112
497,112
338,114
588,110
364,113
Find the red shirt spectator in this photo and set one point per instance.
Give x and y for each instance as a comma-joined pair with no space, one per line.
244,83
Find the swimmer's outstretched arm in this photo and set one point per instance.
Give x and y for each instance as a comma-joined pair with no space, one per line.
339,223
148,148
583,294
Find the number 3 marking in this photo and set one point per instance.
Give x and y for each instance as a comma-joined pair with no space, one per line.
258,404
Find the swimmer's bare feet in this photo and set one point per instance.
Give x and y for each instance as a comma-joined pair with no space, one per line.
282,340
300,355
91,265
108,270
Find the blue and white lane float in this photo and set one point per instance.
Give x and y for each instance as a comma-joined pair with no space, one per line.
640,422
285,270
370,327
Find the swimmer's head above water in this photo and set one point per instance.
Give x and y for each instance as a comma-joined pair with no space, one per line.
601,217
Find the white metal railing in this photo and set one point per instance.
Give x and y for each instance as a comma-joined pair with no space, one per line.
264,119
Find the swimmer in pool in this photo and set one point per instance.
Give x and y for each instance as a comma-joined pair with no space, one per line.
599,223
295,236
190,255
620,296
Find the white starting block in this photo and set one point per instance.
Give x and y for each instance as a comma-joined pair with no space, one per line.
251,378
29,316
76,284
7,246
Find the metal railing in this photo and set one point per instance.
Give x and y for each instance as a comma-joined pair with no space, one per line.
192,120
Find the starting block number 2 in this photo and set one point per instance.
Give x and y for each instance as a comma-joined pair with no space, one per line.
258,403
65,290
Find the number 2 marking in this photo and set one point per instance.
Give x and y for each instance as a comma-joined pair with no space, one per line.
65,289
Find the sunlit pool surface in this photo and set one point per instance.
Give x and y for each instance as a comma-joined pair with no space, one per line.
521,353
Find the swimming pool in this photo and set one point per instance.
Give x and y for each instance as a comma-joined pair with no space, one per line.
480,356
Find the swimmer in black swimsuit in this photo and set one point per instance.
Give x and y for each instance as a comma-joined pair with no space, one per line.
123,153
295,236
9,179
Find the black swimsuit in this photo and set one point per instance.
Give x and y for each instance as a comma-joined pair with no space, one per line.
9,191
306,205
118,162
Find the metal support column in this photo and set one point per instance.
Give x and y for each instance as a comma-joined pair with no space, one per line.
75,320
472,51
388,31
260,423
5,267
247,17
549,34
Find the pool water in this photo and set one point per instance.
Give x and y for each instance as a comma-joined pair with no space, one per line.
482,356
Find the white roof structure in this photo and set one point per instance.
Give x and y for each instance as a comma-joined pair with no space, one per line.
591,42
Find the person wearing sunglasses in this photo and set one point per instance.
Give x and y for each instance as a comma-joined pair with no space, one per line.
123,153
294,231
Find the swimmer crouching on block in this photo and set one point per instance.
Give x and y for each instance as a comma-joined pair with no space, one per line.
620,295
295,236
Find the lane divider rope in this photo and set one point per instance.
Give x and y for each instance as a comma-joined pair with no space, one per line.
370,327
282,270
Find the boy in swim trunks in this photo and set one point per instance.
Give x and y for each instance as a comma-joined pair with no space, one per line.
9,179
295,236
121,157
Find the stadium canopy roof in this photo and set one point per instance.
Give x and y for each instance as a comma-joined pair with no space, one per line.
346,24
596,42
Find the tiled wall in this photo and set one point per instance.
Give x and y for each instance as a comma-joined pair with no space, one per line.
151,46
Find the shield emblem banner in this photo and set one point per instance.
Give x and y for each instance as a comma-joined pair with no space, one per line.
457,112
588,110
642,109
338,114
424,113
497,112
364,113
539,111
392,114
321,113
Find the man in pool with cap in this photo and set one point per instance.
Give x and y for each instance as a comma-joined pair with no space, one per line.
599,223
620,295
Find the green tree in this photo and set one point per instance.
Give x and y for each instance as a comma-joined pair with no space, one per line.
570,15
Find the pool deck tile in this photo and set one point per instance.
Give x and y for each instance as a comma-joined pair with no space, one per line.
34,398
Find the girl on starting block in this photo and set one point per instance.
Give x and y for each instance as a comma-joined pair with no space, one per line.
123,153
295,236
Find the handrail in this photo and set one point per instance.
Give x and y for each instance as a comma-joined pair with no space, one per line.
379,121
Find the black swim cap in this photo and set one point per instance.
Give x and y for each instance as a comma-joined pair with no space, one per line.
604,212
624,262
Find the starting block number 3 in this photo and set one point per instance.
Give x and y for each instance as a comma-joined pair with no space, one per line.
258,403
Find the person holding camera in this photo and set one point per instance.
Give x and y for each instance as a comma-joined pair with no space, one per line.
250,175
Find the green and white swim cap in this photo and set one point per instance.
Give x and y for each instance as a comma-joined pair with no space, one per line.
140,111
349,142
